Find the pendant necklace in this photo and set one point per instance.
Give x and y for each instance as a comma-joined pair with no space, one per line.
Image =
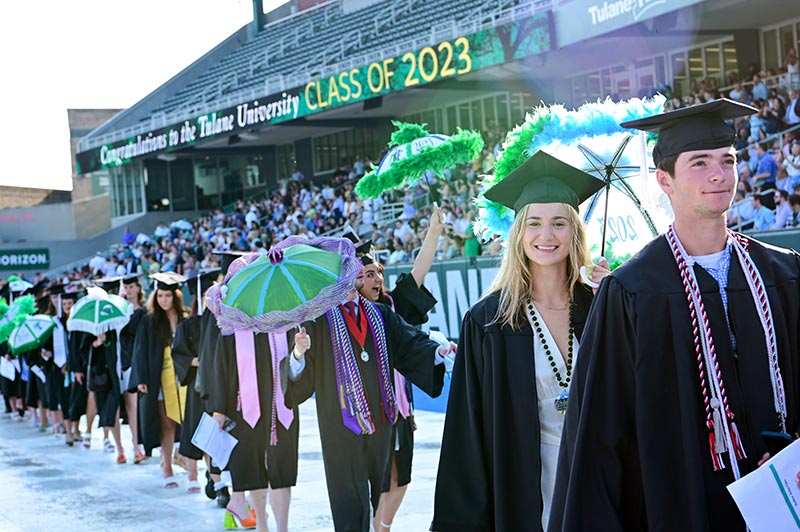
358,331
561,401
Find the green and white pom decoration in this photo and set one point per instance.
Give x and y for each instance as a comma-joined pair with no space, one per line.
414,151
553,128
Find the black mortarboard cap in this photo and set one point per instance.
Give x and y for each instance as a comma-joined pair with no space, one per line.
362,246
207,279
57,289
38,289
112,284
66,291
71,295
699,127
544,179
168,280
227,258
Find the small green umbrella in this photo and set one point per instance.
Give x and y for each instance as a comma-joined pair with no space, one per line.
16,314
98,312
31,333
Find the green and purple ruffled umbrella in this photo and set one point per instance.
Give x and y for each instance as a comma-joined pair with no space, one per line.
298,280
414,151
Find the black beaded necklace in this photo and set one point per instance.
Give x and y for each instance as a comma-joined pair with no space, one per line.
564,383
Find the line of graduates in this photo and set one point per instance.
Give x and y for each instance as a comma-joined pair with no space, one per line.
73,374
167,367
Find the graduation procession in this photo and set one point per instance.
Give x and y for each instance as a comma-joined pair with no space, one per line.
590,387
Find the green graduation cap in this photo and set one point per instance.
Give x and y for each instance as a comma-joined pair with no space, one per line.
544,179
699,127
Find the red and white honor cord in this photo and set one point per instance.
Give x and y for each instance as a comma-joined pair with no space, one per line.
760,297
723,435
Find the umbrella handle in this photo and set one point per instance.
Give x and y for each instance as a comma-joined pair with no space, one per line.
587,279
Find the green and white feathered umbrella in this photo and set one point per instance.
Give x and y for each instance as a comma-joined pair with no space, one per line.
99,312
31,333
414,151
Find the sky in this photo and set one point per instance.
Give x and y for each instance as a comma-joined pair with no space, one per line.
92,54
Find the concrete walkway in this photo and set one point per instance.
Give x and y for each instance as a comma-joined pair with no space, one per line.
50,487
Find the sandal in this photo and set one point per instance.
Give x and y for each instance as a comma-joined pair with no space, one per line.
139,457
180,461
170,482
232,520
87,442
194,486
108,447
70,440
121,459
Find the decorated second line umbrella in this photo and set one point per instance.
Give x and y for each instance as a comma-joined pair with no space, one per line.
296,281
414,152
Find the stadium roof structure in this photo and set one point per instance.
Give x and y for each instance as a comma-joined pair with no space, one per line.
315,44
300,70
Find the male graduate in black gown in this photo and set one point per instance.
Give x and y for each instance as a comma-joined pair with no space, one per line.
356,346
690,352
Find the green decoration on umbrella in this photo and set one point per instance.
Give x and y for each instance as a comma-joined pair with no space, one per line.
21,308
266,286
415,151
99,312
31,334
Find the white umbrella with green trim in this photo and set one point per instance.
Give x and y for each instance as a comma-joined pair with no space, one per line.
99,312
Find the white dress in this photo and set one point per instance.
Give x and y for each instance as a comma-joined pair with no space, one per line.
550,420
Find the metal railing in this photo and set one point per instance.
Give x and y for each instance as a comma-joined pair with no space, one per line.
773,137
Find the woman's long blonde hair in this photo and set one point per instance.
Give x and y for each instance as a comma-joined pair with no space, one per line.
514,282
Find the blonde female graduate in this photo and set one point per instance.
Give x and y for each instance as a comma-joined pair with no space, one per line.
515,357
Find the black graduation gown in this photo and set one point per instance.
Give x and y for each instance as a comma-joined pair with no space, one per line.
355,465
185,347
247,459
77,360
148,358
209,332
490,465
35,390
412,303
635,452
127,338
103,359
58,382
10,387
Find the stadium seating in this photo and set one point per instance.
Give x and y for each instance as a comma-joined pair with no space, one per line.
307,42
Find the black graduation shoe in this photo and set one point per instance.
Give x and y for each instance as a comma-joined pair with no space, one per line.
223,497
211,493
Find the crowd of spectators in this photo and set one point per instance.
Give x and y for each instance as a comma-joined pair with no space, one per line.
396,222
768,196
